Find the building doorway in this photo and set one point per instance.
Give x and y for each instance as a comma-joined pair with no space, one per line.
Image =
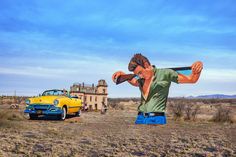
90,108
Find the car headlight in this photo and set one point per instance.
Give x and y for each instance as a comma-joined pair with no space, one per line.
27,101
55,102
29,107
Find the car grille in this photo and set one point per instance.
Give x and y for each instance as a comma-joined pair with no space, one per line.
41,107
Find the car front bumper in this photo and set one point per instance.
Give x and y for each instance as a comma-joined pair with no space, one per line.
43,110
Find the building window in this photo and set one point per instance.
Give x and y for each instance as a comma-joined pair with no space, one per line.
104,90
104,99
85,98
95,98
90,98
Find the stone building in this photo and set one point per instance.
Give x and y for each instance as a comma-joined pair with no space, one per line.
92,96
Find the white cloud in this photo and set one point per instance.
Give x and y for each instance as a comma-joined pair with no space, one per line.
75,68
90,69
219,75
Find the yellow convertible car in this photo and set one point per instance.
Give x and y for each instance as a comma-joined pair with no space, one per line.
53,102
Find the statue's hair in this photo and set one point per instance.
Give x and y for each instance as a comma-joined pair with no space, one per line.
137,59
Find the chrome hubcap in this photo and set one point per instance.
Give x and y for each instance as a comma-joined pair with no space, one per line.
63,116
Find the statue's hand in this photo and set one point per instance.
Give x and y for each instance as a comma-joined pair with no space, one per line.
116,75
197,67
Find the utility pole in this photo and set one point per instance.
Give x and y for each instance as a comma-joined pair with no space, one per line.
15,96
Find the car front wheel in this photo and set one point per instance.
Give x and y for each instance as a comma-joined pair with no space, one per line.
33,116
63,114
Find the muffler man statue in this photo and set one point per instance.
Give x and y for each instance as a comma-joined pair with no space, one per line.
154,84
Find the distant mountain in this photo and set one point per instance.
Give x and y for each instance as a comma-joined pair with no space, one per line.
214,96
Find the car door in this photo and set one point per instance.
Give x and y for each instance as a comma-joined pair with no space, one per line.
74,105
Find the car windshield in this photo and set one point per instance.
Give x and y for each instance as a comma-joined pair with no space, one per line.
54,92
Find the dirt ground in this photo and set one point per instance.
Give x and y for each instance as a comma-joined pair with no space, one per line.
112,134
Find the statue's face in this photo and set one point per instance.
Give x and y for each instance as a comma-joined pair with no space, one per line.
143,73
139,71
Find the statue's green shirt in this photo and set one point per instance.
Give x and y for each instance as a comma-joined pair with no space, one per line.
159,90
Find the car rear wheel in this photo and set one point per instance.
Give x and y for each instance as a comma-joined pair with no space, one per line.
77,114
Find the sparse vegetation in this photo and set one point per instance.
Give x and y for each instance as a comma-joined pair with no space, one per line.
8,100
1,100
206,101
195,111
10,118
191,111
188,111
118,100
116,106
223,114
183,109
177,109
115,134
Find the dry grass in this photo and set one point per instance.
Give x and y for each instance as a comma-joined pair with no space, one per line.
191,112
185,109
177,109
115,134
9,118
223,114
182,109
116,106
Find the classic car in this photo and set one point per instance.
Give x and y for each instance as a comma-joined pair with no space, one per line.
53,102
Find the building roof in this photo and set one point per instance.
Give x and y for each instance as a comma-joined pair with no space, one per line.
86,88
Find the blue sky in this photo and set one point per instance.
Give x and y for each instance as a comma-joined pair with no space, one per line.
54,43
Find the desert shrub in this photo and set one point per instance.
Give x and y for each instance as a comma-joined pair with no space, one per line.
121,106
188,111
118,100
177,108
217,101
196,110
222,114
14,116
8,102
10,119
3,114
191,111
117,106
112,105
3,120
183,108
